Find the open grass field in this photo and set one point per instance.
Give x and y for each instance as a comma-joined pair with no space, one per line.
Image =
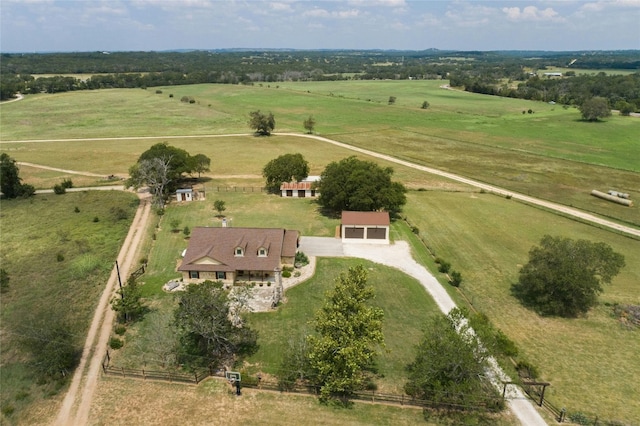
58,261
550,154
591,362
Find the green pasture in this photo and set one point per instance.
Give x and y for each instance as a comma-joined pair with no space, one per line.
58,261
550,154
487,239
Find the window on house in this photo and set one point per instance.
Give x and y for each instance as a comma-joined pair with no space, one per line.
194,274
239,251
221,275
262,252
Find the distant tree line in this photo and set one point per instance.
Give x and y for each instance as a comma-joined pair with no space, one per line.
478,71
621,91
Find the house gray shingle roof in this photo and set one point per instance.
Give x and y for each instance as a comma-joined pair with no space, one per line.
213,249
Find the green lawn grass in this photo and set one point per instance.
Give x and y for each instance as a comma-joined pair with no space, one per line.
58,261
405,303
487,239
247,209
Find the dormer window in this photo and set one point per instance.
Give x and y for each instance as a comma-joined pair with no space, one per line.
262,252
239,252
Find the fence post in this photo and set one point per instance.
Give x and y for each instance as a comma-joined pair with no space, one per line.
143,375
195,374
562,414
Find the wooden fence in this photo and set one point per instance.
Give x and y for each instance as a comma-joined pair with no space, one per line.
370,396
234,189
168,376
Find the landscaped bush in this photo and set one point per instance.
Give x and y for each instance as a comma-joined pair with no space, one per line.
301,259
120,329
286,273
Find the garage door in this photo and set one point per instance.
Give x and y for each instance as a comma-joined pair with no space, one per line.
354,233
376,233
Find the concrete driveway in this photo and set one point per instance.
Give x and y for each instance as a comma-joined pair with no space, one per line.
321,246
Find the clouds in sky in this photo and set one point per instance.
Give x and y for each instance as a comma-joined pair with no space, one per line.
95,25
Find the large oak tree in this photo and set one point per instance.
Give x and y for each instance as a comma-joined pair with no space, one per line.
358,185
285,168
564,277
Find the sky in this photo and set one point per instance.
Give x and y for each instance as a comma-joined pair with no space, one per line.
155,25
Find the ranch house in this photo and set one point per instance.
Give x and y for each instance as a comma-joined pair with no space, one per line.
365,227
231,255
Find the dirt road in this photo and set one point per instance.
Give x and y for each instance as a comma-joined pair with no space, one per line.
490,188
531,200
77,402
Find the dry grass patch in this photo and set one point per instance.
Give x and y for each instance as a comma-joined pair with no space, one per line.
213,402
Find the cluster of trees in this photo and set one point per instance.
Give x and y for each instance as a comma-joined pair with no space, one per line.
211,327
621,91
162,167
263,124
11,184
348,184
450,364
359,185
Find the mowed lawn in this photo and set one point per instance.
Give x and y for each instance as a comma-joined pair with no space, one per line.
591,362
405,303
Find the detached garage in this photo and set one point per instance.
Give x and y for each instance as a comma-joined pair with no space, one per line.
365,227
